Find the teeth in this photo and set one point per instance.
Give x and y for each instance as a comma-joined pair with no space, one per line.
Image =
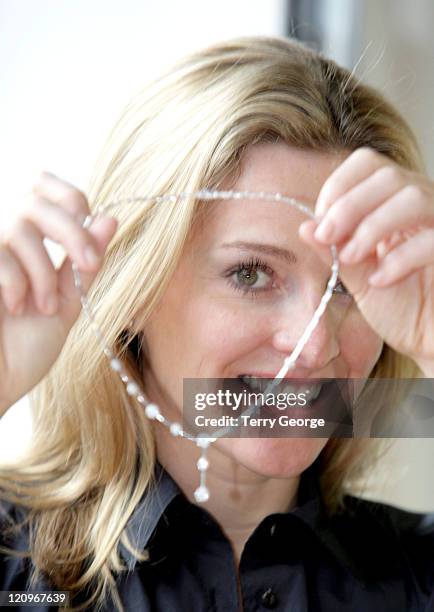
260,384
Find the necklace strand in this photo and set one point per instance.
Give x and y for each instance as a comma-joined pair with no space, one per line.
152,410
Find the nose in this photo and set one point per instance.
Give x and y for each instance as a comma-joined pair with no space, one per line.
322,346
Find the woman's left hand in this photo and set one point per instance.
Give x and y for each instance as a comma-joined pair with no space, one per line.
381,218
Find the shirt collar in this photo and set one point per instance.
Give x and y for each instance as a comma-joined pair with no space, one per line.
148,512
163,490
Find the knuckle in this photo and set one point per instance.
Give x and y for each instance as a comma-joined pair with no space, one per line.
365,153
75,201
389,174
414,193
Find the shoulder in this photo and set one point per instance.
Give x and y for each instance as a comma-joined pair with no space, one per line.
384,538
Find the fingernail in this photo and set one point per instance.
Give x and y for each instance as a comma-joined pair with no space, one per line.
91,256
325,230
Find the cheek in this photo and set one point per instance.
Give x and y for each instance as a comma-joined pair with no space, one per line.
360,346
217,332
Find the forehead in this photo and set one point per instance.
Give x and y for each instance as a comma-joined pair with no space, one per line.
295,172
272,167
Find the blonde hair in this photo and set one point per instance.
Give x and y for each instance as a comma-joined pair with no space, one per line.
92,453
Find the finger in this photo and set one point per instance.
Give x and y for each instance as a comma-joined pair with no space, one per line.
347,212
27,245
103,229
50,187
356,168
387,244
57,224
410,207
406,258
355,278
13,281
306,232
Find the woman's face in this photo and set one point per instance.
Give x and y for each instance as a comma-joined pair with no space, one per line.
216,321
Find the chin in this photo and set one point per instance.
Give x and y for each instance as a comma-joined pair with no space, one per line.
276,457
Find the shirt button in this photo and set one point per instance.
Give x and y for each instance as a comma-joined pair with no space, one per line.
269,599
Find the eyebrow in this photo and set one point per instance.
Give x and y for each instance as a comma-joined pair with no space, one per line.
267,249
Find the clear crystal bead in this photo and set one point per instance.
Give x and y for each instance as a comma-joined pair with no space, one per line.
116,365
151,411
202,442
201,494
175,429
202,464
132,388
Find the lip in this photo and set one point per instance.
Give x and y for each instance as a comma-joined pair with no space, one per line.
299,381
313,409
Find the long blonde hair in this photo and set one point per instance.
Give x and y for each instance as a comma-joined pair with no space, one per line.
92,454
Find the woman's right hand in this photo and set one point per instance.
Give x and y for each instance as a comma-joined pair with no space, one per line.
39,303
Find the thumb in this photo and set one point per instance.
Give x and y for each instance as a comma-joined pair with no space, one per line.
354,276
102,229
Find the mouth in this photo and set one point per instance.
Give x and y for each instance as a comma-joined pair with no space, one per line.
311,388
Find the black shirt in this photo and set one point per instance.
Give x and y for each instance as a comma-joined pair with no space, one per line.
372,557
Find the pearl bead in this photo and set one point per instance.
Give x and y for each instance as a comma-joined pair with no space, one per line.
175,429
116,365
152,411
202,464
202,442
132,388
201,494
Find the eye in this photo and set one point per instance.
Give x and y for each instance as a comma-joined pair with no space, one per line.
251,276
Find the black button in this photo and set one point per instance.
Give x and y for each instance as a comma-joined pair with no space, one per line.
269,599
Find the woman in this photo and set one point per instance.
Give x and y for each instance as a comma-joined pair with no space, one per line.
102,485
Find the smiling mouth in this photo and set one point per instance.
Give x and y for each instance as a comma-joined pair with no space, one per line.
312,388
